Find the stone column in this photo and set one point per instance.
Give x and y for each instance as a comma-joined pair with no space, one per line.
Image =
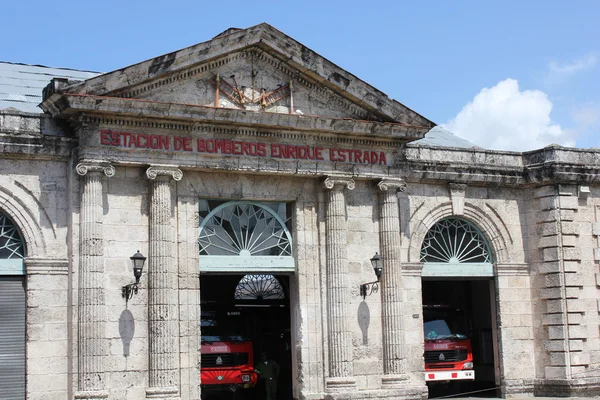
163,300
391,281
341,369
92,344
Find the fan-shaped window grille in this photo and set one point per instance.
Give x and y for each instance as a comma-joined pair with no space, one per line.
245,235
12,247
455,241
259,287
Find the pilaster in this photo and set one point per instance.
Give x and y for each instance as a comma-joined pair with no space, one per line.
341,368
92,344
391,281
163,306
560,260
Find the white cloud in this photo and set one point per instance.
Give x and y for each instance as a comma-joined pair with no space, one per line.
578,65
506,118
558,73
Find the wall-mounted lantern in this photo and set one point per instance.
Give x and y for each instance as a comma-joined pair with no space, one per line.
366,289
138,260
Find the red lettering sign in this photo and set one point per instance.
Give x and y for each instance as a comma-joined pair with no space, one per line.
240,148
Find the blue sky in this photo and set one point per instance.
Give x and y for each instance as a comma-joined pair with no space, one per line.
512,75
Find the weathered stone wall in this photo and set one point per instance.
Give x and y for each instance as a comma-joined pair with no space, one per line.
545,241
564,271
33,194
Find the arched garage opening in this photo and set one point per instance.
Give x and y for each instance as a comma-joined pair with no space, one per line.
245,266
459,310
12,310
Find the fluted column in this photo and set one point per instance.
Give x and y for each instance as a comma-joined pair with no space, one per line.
391,280
341,369
92,343
163,309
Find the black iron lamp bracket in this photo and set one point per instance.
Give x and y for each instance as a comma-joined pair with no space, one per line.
128,291
367,289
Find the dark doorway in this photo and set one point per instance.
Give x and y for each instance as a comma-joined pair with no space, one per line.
468,307
254,307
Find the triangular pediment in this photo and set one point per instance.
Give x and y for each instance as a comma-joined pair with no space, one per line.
256,69
251,80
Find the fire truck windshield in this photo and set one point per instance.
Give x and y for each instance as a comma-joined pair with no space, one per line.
441,323
225,329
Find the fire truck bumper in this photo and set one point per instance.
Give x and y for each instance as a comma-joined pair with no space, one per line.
449,375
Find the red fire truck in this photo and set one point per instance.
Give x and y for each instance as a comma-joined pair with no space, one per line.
448,353
227,358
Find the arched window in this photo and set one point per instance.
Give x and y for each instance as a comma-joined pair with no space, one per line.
456,247
259,287
238,235
12,247
12,310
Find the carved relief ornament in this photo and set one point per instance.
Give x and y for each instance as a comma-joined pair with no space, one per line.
84,167
159,170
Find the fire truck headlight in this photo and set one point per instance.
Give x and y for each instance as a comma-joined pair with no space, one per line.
245,378
468,365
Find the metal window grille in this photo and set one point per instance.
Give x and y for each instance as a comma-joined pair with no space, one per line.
244,229
11,243
454,241
259,287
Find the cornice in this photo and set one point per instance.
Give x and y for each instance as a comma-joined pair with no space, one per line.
238,131
38,147
184,113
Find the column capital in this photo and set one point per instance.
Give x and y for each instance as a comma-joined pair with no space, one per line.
155,170
341,182
397,185
92,166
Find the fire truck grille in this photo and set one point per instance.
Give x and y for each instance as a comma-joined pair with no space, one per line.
437,356
215,360
441,366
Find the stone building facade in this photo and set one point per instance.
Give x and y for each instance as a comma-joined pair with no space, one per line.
123,161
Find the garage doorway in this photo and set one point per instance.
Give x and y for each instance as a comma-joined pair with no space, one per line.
459,311
246,262
251,310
